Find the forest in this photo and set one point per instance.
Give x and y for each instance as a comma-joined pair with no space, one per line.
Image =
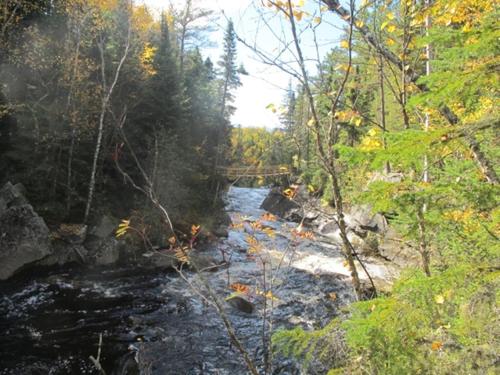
110,109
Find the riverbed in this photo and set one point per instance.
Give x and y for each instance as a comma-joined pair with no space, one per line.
161,323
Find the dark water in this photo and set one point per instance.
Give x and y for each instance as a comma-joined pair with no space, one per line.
51,322
153,321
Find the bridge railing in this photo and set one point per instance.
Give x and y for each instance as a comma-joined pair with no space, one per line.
265,171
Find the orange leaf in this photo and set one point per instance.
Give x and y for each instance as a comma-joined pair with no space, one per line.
241,288
194,229
436,345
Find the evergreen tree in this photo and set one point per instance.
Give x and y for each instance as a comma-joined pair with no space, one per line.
230,72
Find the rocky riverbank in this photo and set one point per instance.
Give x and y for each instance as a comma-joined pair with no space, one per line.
27,242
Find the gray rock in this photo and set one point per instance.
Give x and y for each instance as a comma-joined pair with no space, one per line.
392,177
279,205
3,206
159,259
108,252
221,231
328,228
24,237
241,304
106,227
202,261
65,253
361,218
12,195
74,234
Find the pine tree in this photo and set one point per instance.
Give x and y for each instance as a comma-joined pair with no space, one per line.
230,76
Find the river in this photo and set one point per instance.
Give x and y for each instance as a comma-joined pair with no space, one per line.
51,320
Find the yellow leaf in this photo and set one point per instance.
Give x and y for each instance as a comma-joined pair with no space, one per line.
390,42
123,227
311,122
317,20
298,15
384,24
391,28
439,299
359,24
344,44
181,253
272,107
390,16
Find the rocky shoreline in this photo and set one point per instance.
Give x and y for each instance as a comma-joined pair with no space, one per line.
27,242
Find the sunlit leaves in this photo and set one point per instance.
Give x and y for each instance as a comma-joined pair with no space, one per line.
240,288
268,217
147,57
371,141
123,228
182,254
290,192
254,246
436,345
195,229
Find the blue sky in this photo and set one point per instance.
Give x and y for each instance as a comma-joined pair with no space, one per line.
262,27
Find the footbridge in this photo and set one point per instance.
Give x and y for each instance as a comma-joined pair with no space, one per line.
254,171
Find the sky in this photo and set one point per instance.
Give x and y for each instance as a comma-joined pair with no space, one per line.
262,28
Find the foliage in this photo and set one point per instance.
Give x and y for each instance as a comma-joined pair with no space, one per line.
52,95
417,141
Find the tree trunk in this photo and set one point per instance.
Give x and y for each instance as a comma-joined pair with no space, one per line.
104,107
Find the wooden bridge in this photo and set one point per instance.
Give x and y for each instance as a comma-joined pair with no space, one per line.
254,171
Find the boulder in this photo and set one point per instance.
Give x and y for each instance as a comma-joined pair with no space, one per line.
279,205
241,304
360,218
392,177
102,245
161,258
202,261
64,253
106,227
108,252
74,234
24,236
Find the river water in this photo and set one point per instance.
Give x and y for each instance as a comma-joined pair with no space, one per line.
156,322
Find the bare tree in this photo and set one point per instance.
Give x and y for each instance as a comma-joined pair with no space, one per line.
107,93
193,23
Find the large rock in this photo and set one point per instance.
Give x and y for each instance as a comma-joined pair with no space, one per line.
24,236
279,205
108,253
106,227
360,218
392,177
103,251
64,253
